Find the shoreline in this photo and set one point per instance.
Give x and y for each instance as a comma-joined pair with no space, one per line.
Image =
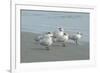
33,52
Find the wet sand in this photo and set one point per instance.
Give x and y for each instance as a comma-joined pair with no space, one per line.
31,51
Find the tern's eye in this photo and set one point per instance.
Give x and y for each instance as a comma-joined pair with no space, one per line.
64,33
48,32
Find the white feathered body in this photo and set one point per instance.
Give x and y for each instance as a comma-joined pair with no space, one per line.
58,34
63,38
75,37
46,41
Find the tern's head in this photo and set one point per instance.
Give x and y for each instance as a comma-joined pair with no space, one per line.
49,34
65,34
79,33
60,29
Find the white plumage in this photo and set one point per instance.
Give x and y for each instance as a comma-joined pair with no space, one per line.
58,33
62,39
60,36
75,37
45,40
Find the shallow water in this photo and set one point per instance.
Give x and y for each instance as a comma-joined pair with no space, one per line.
31,51
44,21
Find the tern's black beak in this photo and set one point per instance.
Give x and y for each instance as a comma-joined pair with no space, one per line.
60,29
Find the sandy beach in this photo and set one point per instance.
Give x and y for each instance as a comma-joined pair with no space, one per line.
31,51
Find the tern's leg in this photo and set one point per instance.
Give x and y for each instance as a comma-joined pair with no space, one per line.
47,48
63,44
76,41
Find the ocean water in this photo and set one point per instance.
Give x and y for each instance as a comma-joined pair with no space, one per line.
37,21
